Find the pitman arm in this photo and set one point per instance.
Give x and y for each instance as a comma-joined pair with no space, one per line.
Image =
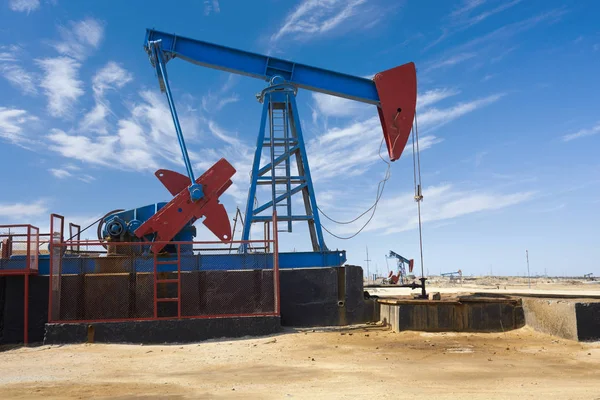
156,57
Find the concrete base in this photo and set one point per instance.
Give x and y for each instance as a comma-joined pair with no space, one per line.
12,308
161,331
569,319
461,315
309,297
325,297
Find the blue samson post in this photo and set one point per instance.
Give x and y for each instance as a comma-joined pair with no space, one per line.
393,92
283,138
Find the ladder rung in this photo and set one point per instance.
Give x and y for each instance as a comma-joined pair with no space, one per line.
167,280
167,299
166,262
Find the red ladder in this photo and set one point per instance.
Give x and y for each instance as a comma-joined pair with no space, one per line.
158,282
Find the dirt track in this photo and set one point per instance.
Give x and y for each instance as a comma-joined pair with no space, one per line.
364,362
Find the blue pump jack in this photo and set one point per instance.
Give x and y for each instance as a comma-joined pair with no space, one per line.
393,92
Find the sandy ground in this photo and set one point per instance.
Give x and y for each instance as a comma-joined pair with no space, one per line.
350,363
396,291
499,285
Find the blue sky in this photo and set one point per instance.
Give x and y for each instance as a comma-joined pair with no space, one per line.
508,118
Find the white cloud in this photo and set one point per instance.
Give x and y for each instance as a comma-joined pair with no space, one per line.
20,211
13,72
61,84
238,153
19,78
425,142
315,17
60,173
71,171
24,5
434,117
71,167
461,18
97,151
214,102
510,30
211,6
128,149
445,202
504,33
333,106
479,157
135,147
348,151
486,14
80,38
355,147
95,120
466,7
222,135
110,77
12,121
7,56
433,96
152,113
441,203
142,138
502,54
450,61
10,53
86,178
582,133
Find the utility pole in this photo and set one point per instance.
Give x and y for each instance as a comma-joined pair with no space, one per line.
528,275
367,260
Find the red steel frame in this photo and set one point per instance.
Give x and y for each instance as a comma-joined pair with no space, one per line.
276,280
30,268
159,281
77,235
52,245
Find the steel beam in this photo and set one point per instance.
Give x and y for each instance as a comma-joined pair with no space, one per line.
264,67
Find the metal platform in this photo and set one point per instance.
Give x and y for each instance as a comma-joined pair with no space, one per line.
73,264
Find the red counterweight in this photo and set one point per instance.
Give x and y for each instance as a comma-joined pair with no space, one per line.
397,89
170,219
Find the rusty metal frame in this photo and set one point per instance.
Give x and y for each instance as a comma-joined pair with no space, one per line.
56,246
27,271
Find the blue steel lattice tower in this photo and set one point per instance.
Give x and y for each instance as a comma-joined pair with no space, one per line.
280,132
